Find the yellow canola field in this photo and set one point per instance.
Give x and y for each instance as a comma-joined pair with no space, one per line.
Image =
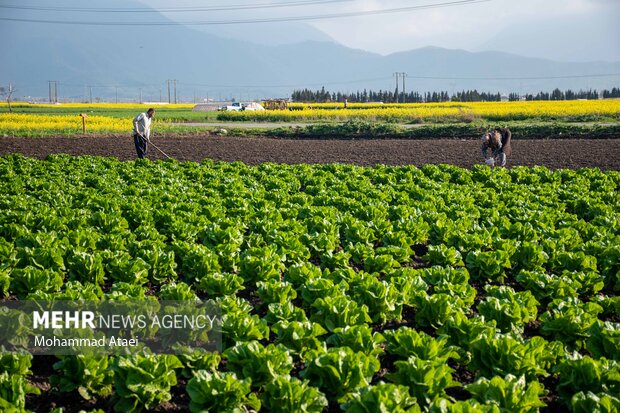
546,110
25,123
548,106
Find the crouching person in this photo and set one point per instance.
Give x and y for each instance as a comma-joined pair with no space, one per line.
496,146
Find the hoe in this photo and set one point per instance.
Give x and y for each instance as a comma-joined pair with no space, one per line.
162,152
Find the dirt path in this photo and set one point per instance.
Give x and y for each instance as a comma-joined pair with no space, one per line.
570,153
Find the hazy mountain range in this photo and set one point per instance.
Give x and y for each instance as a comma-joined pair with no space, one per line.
129,61
586,37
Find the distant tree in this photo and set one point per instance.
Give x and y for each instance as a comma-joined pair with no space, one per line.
8,93
388,96
557,94
610,94
538,96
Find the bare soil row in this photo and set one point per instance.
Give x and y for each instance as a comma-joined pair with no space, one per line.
566,153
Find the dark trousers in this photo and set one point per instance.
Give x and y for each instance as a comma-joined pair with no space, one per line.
141,146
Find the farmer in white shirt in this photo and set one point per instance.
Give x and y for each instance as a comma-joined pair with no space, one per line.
142,131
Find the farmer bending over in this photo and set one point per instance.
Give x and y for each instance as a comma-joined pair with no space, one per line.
498,141
142,131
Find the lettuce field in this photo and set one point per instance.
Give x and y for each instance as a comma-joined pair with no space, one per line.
342,288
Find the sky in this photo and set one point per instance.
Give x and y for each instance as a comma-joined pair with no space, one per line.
560,30
576,30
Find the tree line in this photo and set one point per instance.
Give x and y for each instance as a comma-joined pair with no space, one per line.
387,96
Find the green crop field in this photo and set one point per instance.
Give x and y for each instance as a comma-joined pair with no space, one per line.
550,119
164,113
342,288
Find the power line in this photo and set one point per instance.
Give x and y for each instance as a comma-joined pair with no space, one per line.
334,82
176,9
516,78
126,85
259,20
290,85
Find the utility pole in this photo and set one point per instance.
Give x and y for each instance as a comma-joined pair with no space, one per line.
403,74
90,94
115,94
396,74
54,91
175,91
168,84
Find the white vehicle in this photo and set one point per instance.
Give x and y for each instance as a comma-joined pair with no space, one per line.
235,106
238,106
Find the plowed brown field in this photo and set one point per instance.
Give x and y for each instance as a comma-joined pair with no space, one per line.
569,153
